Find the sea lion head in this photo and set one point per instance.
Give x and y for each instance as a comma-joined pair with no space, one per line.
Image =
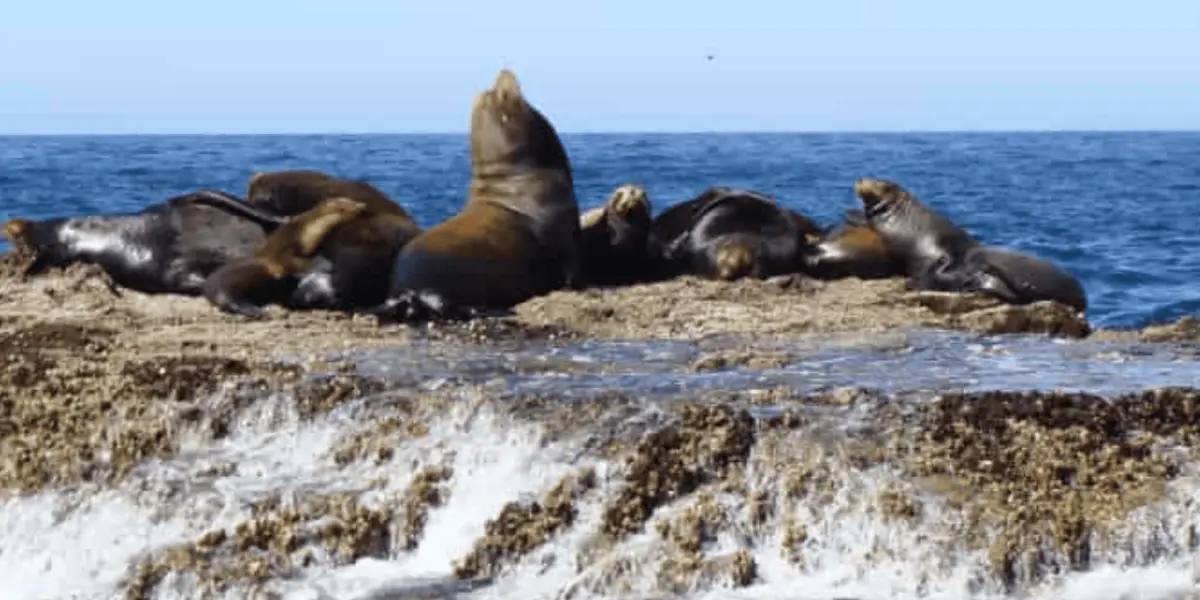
629,202
734,260
39,241
507,133
286,193
18,232
879,195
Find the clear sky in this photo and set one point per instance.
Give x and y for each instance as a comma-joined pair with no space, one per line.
220,66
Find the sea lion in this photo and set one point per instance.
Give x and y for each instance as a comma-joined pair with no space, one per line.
851,249
1019,278
289,193
615,238
357,255
939,255
928,245
271,274
729,233
517,236
166,248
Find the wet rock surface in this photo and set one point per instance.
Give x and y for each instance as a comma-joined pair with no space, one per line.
1052,472
659,494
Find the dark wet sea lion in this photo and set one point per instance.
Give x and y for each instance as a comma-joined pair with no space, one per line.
1019,278
615,238
518,235
929,246
356,257
729,233
166,248
939,255
852,249
272,273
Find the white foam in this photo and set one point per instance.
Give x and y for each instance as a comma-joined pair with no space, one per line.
79,544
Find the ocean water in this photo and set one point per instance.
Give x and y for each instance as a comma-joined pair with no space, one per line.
1116,209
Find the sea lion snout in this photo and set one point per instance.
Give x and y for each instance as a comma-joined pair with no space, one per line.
506,84
628,199
873,191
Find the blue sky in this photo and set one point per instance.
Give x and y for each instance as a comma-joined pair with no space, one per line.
218,66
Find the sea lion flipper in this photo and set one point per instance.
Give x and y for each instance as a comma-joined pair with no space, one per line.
41,261
236,206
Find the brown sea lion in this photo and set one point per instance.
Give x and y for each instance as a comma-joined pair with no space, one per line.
851,249
357,255
272,273
518,235
166,248
615,238
729,233
938,255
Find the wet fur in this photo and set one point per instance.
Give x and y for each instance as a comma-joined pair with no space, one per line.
1019,278
615,238
289,193
852,249
166,248
929,246
728,233
272,274
358,253
518,235
939,255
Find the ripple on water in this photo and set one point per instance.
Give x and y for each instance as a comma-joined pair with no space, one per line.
918,361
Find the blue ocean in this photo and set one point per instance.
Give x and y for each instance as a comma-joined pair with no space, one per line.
1116,209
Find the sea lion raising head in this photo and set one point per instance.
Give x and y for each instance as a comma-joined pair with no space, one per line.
615,238
928,245
518,234
272,273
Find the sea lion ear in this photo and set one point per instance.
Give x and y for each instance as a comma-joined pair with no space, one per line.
506,85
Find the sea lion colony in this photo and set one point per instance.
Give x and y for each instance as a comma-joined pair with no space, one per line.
306,240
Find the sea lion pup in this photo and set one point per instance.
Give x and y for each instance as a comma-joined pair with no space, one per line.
166,248
518,234
851,249
929,246
615,237
357,255
270,275
728,233
1019,278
